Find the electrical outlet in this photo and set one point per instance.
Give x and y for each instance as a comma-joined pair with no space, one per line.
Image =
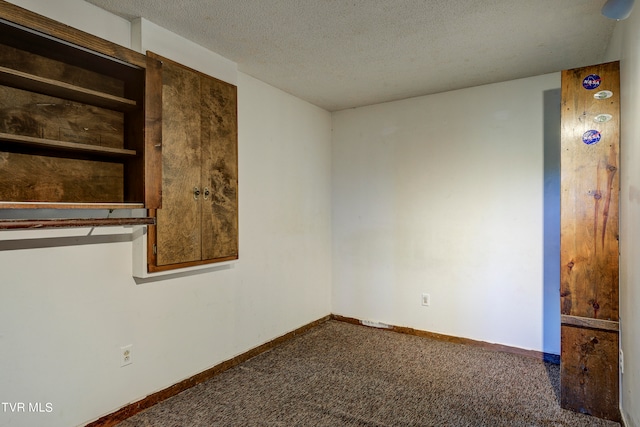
621,362
426,299
126,355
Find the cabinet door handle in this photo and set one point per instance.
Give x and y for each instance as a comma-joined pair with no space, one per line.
206,193
196,192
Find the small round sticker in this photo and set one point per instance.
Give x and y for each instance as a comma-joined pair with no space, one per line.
591,137
602,118
591,82
603,94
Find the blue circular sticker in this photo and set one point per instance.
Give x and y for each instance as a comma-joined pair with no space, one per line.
591,82
591,137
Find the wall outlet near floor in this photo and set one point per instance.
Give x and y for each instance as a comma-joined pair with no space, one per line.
126,355
621,362
426,299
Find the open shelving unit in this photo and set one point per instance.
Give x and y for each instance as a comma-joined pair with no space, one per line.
80,125
55,145
34,83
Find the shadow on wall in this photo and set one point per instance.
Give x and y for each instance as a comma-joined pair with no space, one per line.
74,238
551,244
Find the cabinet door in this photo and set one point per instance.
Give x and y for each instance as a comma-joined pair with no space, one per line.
179,220
219,169
199,139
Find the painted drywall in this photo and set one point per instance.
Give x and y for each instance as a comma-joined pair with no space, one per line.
626,45
69,300
147,36
445,194
83,16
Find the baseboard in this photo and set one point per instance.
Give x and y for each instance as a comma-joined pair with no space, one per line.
623,420
133,408
547,357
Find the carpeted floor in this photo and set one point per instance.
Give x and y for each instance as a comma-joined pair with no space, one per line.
340,374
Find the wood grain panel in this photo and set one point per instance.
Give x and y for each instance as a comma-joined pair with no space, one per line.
31,63
179,221
589,197
31,114
589,372
31,178
153,134
589,241
199,112
586,322
20,80
219,169
74,149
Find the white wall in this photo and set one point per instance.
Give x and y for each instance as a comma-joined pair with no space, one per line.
450,194
444,194
83,16
626,44
68,300
147,36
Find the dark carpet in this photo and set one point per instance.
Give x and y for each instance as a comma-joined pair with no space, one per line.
339,374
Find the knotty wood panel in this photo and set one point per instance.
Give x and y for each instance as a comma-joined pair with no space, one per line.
589,365
219,169
179,220
589,197
31,178
589,241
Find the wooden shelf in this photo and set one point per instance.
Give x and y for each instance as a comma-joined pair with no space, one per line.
62,205
33,83
66,146
82,119
30,224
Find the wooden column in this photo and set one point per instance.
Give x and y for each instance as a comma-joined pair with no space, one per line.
589,240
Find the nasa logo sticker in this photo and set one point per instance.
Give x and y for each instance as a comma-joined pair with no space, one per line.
592,81
591,137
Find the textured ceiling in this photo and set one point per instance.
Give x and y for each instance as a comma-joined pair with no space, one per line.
346,53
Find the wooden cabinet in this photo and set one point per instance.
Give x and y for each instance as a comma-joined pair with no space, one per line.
78,128
198,222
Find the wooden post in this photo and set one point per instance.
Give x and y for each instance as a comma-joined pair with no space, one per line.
589,240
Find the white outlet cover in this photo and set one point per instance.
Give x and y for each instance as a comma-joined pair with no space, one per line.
426,299
126,355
